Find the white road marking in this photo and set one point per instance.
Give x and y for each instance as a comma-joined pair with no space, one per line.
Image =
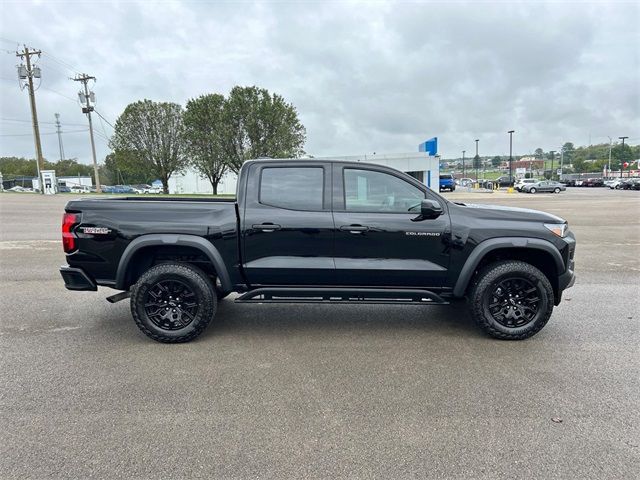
30,244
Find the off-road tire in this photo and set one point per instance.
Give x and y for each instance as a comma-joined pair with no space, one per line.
483,285
199,284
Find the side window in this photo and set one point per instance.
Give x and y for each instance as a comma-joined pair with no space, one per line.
296,188
370,191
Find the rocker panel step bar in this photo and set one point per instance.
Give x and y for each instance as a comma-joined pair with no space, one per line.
341,295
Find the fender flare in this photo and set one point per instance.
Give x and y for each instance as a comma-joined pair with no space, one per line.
156,239
491,244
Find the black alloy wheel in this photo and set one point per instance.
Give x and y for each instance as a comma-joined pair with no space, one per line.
511,299
171,304
514,302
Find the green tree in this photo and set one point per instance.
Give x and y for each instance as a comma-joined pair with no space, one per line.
539,153
206,137
495,161
124,166
153,132
261,124
569,151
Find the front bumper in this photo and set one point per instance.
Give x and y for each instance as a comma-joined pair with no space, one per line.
77,279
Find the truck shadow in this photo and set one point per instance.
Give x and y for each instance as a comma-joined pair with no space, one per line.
366,319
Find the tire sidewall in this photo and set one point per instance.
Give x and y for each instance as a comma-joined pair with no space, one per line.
488,280
197,282
542,309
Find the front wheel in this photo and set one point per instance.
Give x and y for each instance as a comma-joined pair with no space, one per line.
173,302
511,300
557,190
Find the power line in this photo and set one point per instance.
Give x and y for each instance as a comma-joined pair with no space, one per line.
45,133
68,66
108,122
45,123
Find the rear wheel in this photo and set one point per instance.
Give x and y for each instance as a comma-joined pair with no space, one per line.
173,302
511,300
532,190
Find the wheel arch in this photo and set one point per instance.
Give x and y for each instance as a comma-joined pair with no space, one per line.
538,252
191,243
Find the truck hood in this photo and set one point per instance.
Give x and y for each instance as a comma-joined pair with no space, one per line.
512,213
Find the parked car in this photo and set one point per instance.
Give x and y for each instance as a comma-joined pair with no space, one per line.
446,182
630,184
318,231
80,189
593,182
141,188
464,182
524,181
153,189
544,186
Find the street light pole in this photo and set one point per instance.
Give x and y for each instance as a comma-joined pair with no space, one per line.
609,167
510,132
477,159
621,160
463,152
553,156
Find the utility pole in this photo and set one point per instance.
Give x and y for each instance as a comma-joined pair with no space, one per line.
553,156
476,159
59,132
610,145
621,160
510,132
87,98
28,73
463,152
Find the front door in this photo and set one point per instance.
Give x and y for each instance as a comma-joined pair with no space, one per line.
287,226
379,238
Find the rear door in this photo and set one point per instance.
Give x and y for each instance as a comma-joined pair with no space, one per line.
379,239
287,225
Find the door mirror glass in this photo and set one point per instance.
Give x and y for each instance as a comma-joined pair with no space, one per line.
430,209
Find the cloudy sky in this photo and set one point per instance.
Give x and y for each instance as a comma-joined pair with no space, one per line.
365,76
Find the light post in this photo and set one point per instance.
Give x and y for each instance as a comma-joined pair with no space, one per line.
621,160
476,159
510,132
553,156
463,152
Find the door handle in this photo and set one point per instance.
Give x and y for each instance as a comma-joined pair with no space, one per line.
355,229
266,227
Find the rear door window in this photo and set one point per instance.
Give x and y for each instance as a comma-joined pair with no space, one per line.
294,188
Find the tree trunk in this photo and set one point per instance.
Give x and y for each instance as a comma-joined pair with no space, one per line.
165,184
215,187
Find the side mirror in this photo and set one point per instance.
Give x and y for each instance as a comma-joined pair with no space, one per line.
429,209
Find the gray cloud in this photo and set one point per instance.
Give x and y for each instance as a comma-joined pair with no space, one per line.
365,77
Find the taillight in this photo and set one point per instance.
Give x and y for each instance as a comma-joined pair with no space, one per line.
69,220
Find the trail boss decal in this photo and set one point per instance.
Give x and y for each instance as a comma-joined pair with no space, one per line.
96,230
423,234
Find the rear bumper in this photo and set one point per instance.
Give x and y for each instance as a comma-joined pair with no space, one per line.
77,279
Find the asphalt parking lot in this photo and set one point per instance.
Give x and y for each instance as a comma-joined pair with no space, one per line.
316,391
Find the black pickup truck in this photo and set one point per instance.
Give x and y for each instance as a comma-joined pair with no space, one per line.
318,231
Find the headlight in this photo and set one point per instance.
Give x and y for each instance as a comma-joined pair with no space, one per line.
560,229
